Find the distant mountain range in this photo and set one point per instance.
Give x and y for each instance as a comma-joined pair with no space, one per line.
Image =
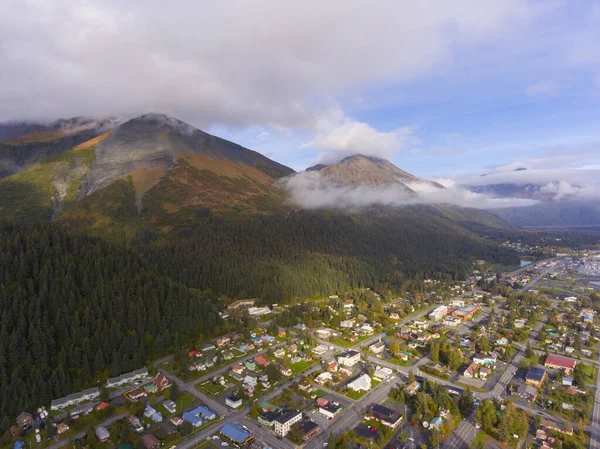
550,211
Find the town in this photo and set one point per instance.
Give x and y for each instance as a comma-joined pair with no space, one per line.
498,360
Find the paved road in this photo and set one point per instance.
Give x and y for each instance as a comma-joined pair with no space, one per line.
464,434
537,279
594,428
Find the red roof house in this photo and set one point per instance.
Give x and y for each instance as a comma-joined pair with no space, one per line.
261,360
559,362
102,405
161,381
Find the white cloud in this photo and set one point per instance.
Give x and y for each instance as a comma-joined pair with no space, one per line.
263,63
311,190
339,136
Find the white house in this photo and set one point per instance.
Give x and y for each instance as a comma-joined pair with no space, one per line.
361,383
382,373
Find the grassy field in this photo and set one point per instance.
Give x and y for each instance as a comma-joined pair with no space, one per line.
301,366
185,401
590,373
210,388
396,361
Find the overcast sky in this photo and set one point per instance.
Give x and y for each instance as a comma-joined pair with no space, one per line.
441,88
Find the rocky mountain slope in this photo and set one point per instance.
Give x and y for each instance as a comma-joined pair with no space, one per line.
153,171
359,170
25,143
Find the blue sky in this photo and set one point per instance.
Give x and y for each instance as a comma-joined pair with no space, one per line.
443,89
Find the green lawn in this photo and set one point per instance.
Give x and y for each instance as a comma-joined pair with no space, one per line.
210,388
400,362
590,372
301,366
185,401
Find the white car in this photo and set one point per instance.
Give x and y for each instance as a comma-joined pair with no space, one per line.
224,444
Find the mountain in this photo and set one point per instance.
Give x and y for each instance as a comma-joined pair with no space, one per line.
151,172
24,143
213,215
367,170
553,214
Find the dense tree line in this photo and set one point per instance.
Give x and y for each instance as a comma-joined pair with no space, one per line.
303,254
75,309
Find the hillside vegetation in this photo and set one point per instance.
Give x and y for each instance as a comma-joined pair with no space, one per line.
72,306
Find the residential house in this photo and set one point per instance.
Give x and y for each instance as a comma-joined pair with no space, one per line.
382,373
412,388
386,416
377,347
451,321
61,428
223,341
324,334
279,353
250,381
260,360
361,383
347,324
102,434
237,369
135,423
485,359
471,371
285,370
149,411
484,373
150,441
161,382
436,423
323,378
170,406
25,419
176,421
527,392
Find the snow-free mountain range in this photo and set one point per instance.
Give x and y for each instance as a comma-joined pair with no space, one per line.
159,173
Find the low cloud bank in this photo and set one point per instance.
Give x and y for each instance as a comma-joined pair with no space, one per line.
311,190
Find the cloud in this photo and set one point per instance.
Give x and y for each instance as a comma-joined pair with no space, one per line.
562,174
339,136
543,89
311,190
262,63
